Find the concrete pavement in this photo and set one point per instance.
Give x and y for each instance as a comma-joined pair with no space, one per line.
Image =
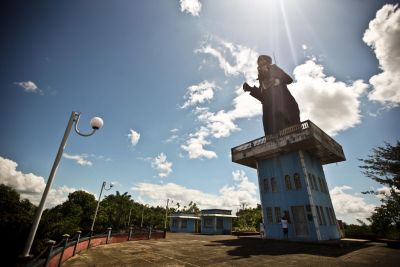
225,250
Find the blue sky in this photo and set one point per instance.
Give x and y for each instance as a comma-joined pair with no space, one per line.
166,78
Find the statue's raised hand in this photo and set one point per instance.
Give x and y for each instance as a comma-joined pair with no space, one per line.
246,87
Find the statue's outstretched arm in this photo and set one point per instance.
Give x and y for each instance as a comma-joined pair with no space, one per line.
254,91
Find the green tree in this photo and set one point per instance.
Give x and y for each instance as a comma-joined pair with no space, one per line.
115,211
248,219
15,221
76,213
192,208
383,166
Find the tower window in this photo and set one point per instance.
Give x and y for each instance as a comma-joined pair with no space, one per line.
314,181
265,185
273,185
270,219
297,181
277,214
310,183
288,183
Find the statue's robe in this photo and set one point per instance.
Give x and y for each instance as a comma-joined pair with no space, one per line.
280,109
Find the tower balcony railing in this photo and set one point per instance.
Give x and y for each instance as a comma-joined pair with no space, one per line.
305,136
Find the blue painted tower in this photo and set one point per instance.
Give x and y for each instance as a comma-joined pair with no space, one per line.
292,181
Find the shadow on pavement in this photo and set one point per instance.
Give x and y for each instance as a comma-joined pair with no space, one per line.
244,247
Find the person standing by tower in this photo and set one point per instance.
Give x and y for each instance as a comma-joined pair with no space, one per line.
284,223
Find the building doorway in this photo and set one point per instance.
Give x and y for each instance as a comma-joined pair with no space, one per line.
300,221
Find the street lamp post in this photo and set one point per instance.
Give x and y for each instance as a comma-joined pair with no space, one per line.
165,221
98,204
96,124
141,222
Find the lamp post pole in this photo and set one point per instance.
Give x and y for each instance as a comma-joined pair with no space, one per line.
141,222
96,123
165,221
98,204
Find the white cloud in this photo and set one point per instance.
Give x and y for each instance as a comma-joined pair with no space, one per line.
332,105
383,35
192,7
199,93
29,185
349,207
230,196
222,123
161,164
29,86
172,138
133,137
195,145
80,159
244,58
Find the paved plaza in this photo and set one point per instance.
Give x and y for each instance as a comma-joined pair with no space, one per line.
225,250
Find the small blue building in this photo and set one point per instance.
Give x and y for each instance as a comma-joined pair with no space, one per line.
292,181
184,223
216,221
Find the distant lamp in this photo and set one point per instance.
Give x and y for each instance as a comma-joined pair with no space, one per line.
103,186
96,123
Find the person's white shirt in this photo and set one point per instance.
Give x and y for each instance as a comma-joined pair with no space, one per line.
262,230
284,223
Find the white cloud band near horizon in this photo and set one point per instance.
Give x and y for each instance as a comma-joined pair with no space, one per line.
29,185
229,196
349,207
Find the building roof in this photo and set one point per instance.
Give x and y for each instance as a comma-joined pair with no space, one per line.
184,216
218,215
216,211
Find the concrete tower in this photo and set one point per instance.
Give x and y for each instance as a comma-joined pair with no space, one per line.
292,180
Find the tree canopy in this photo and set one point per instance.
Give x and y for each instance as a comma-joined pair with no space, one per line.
383,166
118,211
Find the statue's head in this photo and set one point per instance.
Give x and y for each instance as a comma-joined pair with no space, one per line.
264,60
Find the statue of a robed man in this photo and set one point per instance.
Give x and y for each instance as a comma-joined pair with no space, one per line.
280,109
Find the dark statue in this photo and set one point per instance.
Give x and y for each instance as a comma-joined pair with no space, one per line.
280,109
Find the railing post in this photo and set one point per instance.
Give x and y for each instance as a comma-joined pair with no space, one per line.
51,244
90,239
77,241
130,233
109,234
66,236
149,236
